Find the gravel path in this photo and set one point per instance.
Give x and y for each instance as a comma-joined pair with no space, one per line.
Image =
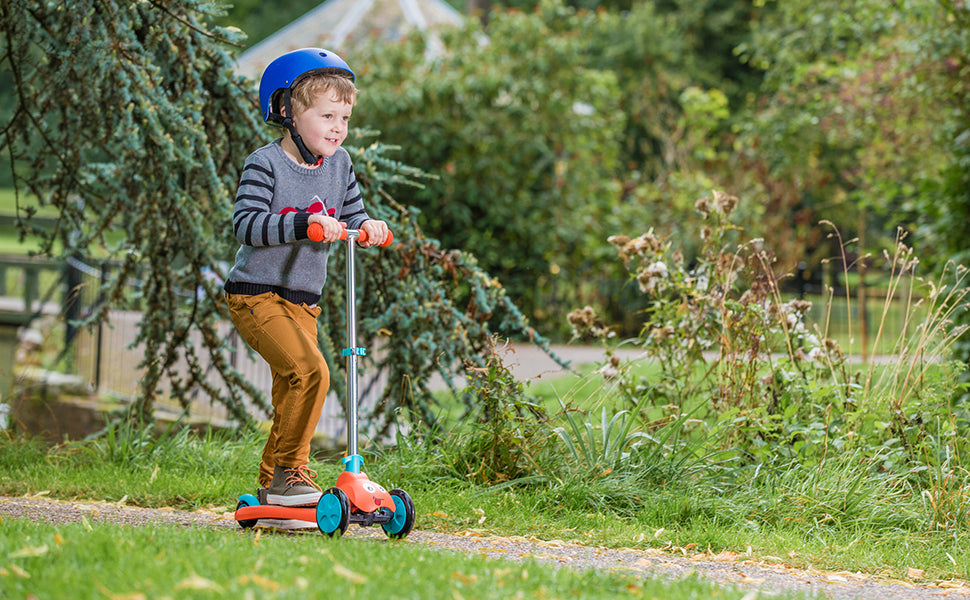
726,568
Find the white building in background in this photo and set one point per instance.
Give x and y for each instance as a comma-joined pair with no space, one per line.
339,25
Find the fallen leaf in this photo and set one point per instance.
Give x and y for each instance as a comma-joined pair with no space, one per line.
914,573
18,571
747,579
259,580
197,582
465,579
472,533
29,552
351,576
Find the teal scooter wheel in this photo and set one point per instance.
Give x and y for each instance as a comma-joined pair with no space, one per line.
402,521
244,501
333,512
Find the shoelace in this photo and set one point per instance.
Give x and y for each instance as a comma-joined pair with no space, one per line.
301,474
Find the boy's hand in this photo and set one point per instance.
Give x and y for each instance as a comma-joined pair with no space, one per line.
331,227
376,232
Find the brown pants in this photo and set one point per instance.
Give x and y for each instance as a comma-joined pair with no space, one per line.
285,335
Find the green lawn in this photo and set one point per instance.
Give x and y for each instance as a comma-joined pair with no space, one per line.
91,560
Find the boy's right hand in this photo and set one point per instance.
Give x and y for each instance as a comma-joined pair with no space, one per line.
331,227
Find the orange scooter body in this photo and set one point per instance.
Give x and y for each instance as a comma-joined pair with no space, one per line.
365,495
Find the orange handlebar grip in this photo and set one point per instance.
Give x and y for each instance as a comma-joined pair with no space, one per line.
315,232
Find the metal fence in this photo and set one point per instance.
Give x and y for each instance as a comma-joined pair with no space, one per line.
106,356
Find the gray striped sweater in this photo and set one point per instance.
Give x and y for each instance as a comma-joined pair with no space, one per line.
273,204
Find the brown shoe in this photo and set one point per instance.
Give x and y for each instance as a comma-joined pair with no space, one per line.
293,486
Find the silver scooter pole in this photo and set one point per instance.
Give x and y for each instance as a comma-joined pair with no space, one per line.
353,459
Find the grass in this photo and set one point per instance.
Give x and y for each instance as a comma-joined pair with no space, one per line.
825,518
90,560
84,561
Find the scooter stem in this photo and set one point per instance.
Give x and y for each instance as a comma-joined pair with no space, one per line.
353,461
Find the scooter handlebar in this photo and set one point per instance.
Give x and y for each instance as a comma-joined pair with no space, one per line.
315,233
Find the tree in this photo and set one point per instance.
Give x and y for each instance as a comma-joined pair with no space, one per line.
128,119
842,118
944,36
521,134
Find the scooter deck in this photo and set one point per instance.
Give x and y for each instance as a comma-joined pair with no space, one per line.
272,511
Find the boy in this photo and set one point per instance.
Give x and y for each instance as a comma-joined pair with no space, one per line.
302,178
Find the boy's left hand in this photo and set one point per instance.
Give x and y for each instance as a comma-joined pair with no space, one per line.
376,232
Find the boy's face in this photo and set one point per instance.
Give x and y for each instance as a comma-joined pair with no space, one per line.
323,126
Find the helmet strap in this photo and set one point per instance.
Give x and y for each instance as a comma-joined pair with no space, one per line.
287,122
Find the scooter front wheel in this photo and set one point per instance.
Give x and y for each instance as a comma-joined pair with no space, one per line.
333,512
402,522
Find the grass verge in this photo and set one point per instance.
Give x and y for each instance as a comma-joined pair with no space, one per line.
85,560
824,518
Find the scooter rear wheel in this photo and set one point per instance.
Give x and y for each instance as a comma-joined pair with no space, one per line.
244,501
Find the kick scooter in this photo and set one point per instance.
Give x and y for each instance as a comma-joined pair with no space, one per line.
354,498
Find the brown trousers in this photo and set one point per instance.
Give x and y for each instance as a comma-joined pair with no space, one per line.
285,335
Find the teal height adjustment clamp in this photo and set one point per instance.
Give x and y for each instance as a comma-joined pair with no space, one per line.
353,463
355,351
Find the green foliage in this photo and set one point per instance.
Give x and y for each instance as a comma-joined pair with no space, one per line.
259,20
728,344
846,119
945,44
524,162
129,123
535,172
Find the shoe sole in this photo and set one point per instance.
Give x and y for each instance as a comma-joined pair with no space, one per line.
299,500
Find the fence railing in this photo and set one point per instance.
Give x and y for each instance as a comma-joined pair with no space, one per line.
105,355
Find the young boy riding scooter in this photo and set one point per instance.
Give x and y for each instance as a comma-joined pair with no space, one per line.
302,178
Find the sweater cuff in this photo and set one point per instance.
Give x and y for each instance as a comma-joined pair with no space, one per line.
301,222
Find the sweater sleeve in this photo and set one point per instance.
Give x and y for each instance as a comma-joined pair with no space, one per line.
253,222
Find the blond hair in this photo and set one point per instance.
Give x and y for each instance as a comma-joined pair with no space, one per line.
308,89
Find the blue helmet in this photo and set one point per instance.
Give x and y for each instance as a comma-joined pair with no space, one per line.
289,68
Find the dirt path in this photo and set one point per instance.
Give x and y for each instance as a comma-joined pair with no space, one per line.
726,568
